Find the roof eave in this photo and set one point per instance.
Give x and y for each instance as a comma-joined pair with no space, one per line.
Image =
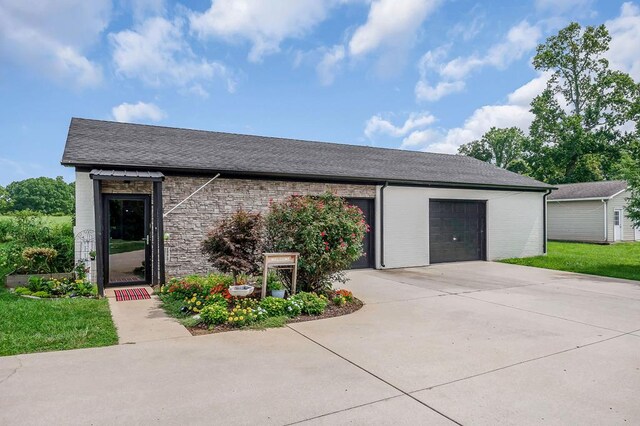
355,179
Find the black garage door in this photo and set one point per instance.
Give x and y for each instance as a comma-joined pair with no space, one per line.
367,206
456,230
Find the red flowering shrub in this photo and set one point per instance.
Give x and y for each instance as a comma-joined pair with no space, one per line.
235,244
325,230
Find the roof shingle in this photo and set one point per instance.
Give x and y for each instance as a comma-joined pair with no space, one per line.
576,191
102,144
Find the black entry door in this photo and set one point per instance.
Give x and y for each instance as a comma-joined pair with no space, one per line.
127,242
456,230
367,205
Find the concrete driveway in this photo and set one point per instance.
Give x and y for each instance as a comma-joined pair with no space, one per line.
466,343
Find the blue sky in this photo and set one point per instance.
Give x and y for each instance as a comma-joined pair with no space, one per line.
411,74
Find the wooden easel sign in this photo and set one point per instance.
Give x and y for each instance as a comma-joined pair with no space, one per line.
280,261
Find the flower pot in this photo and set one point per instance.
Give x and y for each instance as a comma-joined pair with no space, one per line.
278,293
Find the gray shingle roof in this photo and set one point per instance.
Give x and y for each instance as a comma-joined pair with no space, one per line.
105,144
574,191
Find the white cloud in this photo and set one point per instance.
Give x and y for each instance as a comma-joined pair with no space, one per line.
561,6
377,125
330,64
625,39
519,40
265,24
140,112
391,23
52,36
145,8
419,133
425,92
157,53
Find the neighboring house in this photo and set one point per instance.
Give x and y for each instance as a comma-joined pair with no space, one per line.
590,211
423,208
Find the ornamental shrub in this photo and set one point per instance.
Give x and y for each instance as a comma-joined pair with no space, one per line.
215,313
235,244
273,306
325,230
312,304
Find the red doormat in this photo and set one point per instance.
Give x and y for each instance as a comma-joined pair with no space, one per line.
131,294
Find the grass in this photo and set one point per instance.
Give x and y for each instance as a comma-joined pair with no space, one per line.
620,260
48,220
32,325
269,322
124,246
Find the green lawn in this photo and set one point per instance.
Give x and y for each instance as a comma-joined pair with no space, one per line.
49,220
31,325
124,246
621,260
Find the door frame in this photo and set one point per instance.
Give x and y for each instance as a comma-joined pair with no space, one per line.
146,198
482,227
371,261
621,235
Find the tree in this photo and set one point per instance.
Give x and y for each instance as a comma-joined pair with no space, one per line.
577,134
502,147
630,171
235,244
5,204
43,194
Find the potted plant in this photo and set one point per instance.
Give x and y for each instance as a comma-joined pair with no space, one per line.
277,288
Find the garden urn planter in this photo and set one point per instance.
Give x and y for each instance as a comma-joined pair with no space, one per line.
241,290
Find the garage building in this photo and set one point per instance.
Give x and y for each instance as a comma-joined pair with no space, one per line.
132,182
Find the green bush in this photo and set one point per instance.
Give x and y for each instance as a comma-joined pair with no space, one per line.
311,303
42,294
274,306
214,314
28,230
325,230
23,291
64,287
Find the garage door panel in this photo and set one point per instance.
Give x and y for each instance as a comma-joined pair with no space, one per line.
456,230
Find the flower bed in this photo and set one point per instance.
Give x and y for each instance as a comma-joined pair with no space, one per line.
204,305
48,287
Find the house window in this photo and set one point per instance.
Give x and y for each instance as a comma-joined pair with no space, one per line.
616,217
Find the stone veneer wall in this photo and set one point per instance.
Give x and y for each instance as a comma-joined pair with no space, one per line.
188,224
120,187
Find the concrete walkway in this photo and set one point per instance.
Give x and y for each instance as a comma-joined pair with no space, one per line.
142,320
473,343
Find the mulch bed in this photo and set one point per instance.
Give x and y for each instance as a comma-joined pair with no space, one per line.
331,311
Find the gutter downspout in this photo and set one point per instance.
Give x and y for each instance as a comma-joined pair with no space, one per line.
544,221
382,223
606,228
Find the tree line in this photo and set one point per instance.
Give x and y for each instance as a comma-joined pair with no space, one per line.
586,122
45,195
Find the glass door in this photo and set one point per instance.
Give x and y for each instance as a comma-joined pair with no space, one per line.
128,243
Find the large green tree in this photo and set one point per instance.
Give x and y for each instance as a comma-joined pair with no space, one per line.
5,205
578,133
43,194
502,147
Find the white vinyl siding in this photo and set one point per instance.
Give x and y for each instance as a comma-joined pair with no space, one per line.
514,223
620,202
576,220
